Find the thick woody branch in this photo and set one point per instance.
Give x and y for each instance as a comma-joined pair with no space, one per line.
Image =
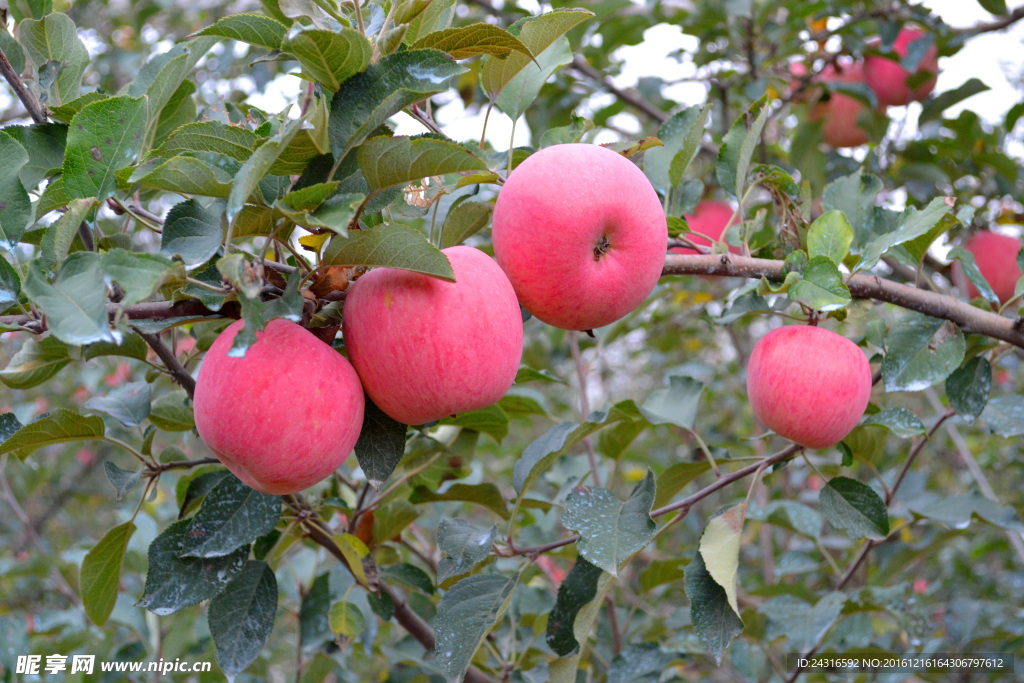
32,105
969,318
997,25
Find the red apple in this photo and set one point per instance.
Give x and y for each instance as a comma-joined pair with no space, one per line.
840,112
709,218
808,384
888,79
581,234
425,348
996,258
284,416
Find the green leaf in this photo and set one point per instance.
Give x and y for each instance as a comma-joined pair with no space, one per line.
676,404
1004,415
537,34
13,51
487,495
854,507
139,275
128,403
101,573
65,112
104,137
830,236
611,531
411,576
256,167
970,268
789,514
197,487
76,303
209,136
170,413
802,625
59,236
53,45
561,135
131,346
35,363
677,476
714,620
192,232
329,57
254,29
122,480
346,619
733,163
463,220
242,617
680,136
44,144
968,387
580,595
491,420
390,520
381,444
539,455
720,550
232,515
911,224
900,421
465,615
476,179
921,351
822,287
643,663
522,89
295,156
994,6
934,107
173,582
10,285
15,205
9,426
366,101
386,161
463,547
60,426
958,511
474,39
393,246
662,572
185,175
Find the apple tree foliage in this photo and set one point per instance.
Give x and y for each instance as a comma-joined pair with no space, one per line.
642,529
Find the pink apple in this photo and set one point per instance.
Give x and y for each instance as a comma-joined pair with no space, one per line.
425,348
285,415
808,384
889,80
581,234
996,258
840,112
709,218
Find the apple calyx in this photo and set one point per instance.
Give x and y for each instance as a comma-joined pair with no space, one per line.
602,247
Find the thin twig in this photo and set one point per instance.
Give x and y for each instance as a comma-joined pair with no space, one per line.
581,375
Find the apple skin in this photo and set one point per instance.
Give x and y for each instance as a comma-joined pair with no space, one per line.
709,218
996,258
427,349
889,80
284,416
808,384
840,112
581,234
